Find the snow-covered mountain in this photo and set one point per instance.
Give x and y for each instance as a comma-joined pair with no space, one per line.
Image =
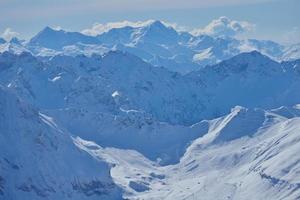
39,160
251,80
291,52
79,121
156,43
56,39
14,46
247,154
119,81
2,41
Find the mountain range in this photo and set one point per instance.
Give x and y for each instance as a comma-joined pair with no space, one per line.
155,42
148,112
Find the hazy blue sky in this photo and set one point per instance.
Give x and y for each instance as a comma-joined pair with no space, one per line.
274,19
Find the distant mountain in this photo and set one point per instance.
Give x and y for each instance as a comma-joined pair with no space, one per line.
14,46
156,43
16,41
57,39
2,41
291,52
152,32
161,45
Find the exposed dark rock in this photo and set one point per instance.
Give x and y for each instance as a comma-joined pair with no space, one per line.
138,186
2,181
42,192
94,187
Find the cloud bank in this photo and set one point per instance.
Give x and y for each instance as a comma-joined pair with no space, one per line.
221,27
225,27
8,34
99,28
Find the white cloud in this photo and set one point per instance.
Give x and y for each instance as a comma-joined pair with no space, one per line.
57,28
99,28
8,34
225,27
222,27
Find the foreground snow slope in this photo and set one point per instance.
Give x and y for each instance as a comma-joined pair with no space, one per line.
39,160
132,130
247,154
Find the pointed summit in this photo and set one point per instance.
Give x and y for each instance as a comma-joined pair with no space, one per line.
157,23
157,31
48,29
253,61
15,40
46,38
2,41
251,56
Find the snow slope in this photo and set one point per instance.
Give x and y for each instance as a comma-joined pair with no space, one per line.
90,82
56,39
39,160
131,130
251,80
247,154
291,52
113,126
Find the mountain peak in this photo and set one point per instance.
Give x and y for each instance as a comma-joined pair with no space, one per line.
48,31
247,57
157,23
45,33
255,53
47,28
248,61
157,31
2,41
15,40
57,39
121,58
